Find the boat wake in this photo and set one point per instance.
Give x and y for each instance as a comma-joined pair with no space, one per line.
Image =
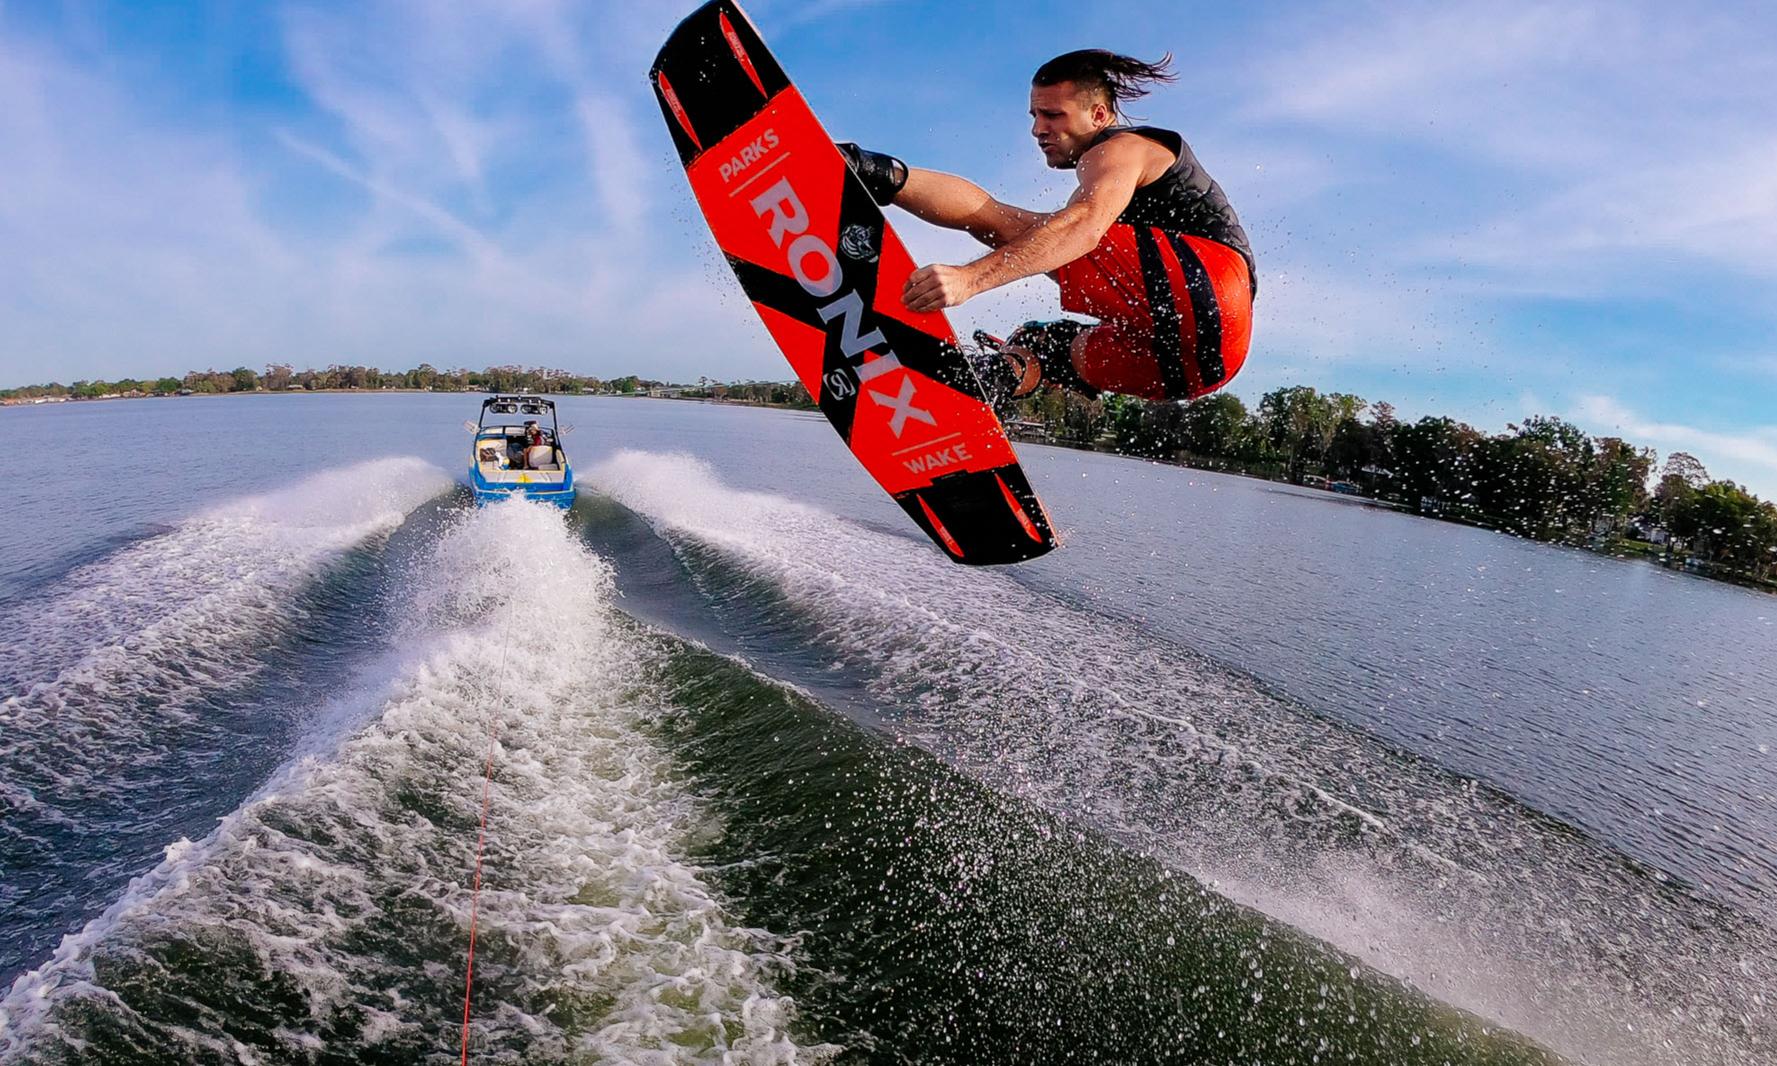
1444,883
651,804
165,613
125,705
337,901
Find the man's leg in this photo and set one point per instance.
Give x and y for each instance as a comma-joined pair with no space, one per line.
1118,357
1054,349
957,203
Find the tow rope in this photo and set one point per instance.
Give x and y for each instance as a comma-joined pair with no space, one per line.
487,783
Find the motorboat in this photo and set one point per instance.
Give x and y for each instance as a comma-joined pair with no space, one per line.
517,454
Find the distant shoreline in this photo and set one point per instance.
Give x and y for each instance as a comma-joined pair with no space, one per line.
1624,549
1619,548
59,401
47,401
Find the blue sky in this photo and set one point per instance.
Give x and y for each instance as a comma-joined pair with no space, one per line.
1486,210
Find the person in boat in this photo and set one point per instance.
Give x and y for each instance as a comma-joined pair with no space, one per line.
539,448
1148,244
530,437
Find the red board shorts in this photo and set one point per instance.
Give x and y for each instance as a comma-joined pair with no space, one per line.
1175,313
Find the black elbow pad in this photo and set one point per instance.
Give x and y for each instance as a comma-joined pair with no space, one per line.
882,175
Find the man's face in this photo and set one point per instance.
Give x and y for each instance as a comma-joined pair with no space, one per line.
1064,120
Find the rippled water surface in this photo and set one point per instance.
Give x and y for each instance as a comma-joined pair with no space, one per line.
1243,773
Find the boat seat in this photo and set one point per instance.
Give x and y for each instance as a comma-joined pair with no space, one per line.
491,454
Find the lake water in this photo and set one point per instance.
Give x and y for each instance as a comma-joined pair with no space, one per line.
1242,773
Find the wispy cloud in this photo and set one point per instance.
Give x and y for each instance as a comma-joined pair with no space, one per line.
1583,132
437,217
117,237
584,252
487,193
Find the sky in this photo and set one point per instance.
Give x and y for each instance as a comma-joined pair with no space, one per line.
1482,210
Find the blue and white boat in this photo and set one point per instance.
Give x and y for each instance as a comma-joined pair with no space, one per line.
515,455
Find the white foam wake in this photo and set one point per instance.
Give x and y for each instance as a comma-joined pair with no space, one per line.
211,579
103,665
1450,889
345,885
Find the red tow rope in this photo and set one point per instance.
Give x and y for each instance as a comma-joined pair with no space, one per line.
475,894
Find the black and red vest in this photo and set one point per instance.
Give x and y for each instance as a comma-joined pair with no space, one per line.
1185,199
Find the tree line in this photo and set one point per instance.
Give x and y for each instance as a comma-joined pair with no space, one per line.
280,377
764,393
1545,478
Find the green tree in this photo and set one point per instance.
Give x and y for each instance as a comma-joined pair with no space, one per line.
1616,483
1355,445
1436,462
1685,467
207,381
1082,419
1298,422
1533,482
1215,425
1338,409
1724,524
1142,428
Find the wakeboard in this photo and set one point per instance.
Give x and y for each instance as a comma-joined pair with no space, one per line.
825,272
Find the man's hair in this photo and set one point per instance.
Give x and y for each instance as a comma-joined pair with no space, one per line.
1118,78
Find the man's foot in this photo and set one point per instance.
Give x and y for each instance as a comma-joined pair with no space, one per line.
882,174
1008,372
1049,347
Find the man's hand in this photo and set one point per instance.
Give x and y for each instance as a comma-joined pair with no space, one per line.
935,287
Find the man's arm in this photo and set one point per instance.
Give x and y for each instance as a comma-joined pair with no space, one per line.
957,203
1109,175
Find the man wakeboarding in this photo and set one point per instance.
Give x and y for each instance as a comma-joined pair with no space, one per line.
1148,245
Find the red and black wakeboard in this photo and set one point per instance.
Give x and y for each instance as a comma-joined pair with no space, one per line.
825,272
